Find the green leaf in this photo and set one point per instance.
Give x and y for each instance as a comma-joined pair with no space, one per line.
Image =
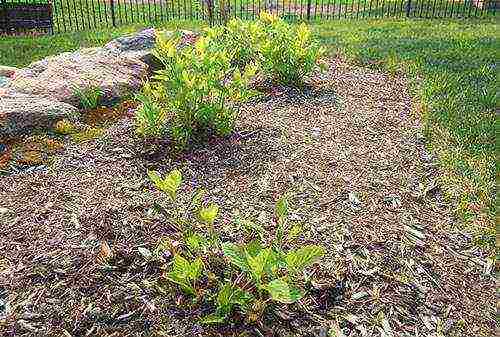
299,259
280,291
235,255
258,263
182,280
196,269
273,263
154,177
224,296
181,266
194,242
213,319
208,214
184,273
229,296
294,232
282,208
171,183
241,298
253,248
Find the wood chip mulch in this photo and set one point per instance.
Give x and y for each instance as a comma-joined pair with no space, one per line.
349,151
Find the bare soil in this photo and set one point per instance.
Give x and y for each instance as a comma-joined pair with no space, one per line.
349,151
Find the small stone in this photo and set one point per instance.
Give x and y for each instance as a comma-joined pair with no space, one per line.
353,198
6,71
316,132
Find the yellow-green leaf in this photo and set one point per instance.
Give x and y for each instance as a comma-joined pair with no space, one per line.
303,257
282,208
208,214
282,292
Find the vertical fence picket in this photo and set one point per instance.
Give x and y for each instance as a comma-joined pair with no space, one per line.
113,14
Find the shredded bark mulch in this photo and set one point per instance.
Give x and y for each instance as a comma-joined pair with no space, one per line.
349,152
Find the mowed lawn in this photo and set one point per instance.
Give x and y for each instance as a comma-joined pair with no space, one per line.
452,68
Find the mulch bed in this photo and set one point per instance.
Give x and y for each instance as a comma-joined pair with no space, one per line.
349,151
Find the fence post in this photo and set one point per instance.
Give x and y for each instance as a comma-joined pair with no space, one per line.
309,10
113,16
210,9
408,8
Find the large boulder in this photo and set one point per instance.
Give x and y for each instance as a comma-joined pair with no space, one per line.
60,77
21,114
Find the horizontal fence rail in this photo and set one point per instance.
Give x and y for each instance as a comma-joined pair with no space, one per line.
76,15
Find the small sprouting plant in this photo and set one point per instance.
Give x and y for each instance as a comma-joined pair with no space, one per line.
89,97
254,273
185,273
149,116
64,127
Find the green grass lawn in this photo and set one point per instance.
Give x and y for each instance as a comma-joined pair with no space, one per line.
452,68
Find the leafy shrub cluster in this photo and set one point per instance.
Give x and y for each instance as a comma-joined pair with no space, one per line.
285,53
288,53
197,91
201,86
259,271
89,98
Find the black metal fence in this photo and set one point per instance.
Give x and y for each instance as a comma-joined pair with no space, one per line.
75,15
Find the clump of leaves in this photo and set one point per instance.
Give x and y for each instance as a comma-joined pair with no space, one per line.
149,117
87,134
289,53
89,97
259,272
198,92
286,53
240,39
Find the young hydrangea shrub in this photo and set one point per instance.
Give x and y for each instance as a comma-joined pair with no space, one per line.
240,39
286,53
246,276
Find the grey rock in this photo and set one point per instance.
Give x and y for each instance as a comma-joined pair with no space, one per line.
4,81
21,114
143,40
136,46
